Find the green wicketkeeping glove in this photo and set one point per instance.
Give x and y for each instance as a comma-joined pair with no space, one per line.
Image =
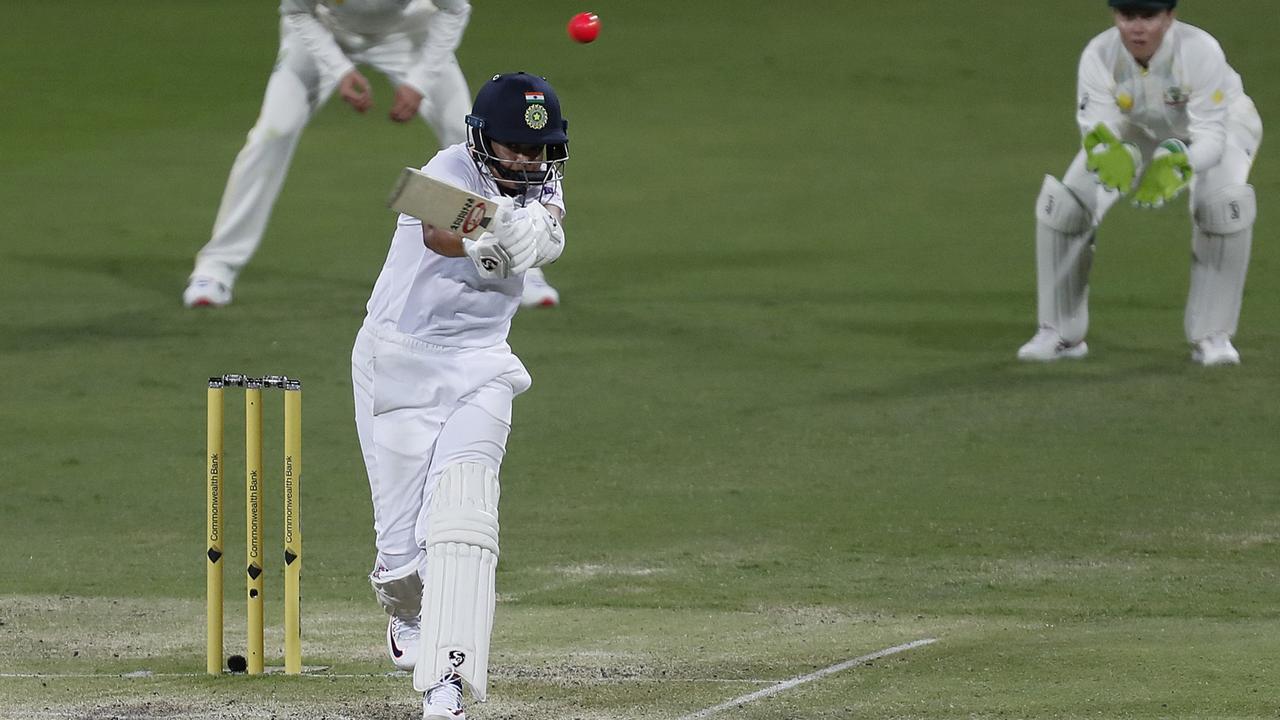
1113,161
1169,175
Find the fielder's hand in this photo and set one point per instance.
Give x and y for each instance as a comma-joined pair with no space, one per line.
1113,161
355,91
1168,176
490,258
405,105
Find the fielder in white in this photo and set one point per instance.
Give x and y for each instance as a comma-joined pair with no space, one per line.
412,42
434,381
1160,111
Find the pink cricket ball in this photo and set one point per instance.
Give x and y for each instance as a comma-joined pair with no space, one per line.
584,27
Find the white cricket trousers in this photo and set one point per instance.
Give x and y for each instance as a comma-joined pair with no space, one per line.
420,408
298,87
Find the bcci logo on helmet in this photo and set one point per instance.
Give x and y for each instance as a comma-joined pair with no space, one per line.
535,116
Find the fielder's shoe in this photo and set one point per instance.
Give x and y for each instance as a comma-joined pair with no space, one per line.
537,291
402,642
1047,345
1215,350
444,700
205,292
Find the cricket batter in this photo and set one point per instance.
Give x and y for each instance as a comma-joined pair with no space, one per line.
412,42
434,381
1160,111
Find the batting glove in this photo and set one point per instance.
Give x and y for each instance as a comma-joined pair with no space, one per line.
515,231
490,258
549,241
1114,162
1168,176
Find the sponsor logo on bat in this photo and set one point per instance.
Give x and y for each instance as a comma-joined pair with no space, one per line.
476,218
470,216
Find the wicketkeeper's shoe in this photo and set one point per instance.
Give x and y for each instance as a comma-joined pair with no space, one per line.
1047,345
444,700
402,642
205,292
537,291
1215,350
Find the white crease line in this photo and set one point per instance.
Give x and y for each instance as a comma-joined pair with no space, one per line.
145,674
802,679
211,715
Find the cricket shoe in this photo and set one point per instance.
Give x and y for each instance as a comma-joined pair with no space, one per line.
1047,345
537,291
205,292
444,700
1215,350
402,642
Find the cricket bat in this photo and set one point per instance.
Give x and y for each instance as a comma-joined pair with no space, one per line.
440,204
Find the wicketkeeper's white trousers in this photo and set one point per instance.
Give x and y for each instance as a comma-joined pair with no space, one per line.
420,408
298,87
1211,307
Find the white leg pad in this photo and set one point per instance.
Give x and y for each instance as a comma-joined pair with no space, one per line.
399,591
1064,256
462,562
1220,245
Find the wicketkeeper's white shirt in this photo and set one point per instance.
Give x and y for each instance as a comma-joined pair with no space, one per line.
1187,91
442,300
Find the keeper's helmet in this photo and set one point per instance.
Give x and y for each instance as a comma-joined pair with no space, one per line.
522,112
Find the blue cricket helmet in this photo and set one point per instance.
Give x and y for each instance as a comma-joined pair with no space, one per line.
519,109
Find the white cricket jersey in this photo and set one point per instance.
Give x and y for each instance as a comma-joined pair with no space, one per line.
1187,91
443,300
332,29
368,17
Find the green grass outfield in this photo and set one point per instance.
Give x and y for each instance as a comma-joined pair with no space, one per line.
776,425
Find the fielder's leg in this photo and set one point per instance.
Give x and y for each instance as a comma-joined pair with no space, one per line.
446,105
462,559
537,292
1064,255
294,91
1220,244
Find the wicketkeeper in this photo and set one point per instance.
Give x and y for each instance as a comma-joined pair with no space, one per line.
1160,111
